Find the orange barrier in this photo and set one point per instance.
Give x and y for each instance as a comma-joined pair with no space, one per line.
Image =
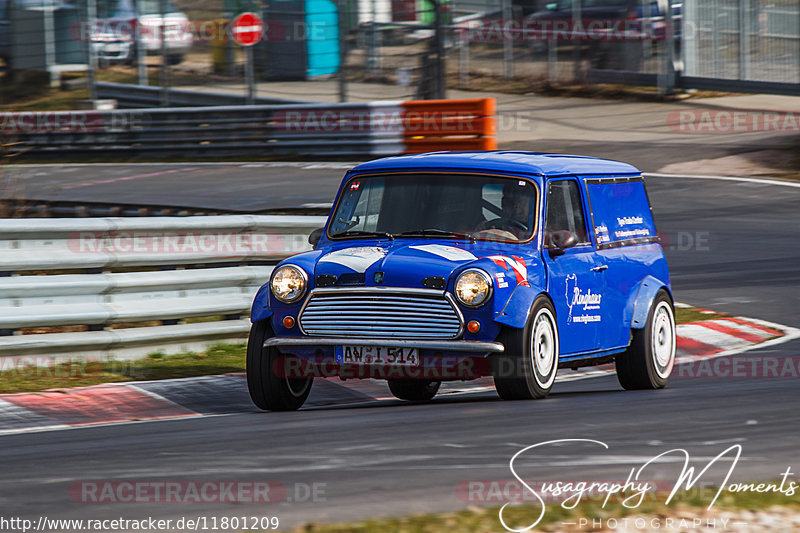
433,125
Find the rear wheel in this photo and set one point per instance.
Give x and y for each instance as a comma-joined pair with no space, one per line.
269,374
648,361
527,368
414,390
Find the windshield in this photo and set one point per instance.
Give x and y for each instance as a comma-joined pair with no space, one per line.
422,205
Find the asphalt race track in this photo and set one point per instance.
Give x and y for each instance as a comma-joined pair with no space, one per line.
732,247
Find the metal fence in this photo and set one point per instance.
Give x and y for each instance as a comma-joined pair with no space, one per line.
327,130
743,40
414,48
125,287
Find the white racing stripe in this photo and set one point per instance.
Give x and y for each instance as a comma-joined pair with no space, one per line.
358,259
451,253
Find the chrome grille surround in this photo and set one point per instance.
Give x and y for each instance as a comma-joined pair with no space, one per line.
381,312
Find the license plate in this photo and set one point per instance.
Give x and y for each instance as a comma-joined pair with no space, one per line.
376,355
113,48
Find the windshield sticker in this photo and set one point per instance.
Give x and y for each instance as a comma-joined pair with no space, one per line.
451,253
580,301
625,221
357,259
601,233
355,185
632,233
517,264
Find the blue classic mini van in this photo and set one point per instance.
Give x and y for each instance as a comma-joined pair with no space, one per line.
449,265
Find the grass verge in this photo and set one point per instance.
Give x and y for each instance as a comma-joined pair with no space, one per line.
219,359
688,504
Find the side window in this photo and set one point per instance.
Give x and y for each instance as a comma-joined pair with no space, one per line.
361,205
620,212
492,196
565,224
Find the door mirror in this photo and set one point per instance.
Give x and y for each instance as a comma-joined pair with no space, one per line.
315,236
557,241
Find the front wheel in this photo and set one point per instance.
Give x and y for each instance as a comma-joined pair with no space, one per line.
648,361
527,368
414,390
269,374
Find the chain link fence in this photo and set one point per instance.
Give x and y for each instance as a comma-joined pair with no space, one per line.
414,49
744,40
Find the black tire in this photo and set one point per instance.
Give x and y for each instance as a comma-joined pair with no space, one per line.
527,368
648,361
271,390
414,390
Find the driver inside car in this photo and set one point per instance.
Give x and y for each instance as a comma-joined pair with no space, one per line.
512,224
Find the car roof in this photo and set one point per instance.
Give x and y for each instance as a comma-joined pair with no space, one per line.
543,164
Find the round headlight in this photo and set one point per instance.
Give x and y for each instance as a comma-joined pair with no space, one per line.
288,284
473,287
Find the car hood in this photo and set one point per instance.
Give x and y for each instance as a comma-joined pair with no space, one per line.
405,263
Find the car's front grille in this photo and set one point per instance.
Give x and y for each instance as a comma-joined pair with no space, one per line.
371,313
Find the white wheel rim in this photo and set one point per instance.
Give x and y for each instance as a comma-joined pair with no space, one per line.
302,389
544,348
662,339
304,383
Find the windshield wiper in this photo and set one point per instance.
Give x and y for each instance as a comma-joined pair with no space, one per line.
437,231
360,233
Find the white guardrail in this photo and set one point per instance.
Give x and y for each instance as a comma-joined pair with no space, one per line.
132,273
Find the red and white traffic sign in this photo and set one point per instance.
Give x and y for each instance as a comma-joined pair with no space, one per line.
247,29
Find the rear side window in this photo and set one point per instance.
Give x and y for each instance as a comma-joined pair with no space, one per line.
565,212
620,212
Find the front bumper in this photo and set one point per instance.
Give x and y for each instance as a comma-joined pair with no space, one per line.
444,345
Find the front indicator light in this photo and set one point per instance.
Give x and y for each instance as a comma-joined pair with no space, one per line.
288,322
473,326
473,287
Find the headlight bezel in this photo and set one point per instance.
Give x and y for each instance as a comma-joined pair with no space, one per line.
486,278
301,292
